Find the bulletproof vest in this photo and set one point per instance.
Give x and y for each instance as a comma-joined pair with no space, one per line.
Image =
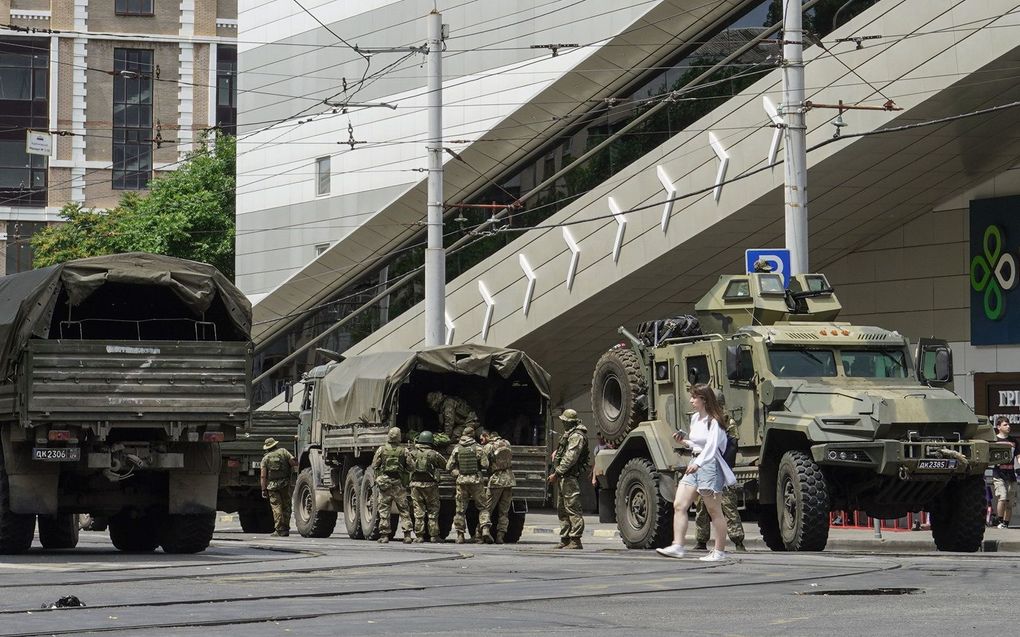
502,455
393,460
467,461
423,469
583,461
277,467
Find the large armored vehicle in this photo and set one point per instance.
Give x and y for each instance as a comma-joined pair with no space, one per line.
240,488
119,377
831,416
348,406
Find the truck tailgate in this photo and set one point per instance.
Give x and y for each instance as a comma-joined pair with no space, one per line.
264,424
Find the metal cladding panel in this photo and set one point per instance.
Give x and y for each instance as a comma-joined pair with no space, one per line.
280,425
137,380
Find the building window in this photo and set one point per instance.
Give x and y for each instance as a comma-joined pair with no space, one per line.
226,89
24,106
133,7
132,118
320,248
322,176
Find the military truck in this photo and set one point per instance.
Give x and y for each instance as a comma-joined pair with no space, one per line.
119,377
240,488
348,406
831,416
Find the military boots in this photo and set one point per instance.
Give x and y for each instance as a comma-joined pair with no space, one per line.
500,537
460,537
564,543
574,543
384,539
408,539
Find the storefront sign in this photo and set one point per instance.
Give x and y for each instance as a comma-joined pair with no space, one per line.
994,256
997,395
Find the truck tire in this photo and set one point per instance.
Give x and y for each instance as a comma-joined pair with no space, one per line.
352,495
89,522
368,496
514,527
134,534
187,532
618,394
309,520
257,519
58,531
643,516
802,503
16,529
958,516
768,526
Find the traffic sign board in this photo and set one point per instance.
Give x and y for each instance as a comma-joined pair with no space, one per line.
778,258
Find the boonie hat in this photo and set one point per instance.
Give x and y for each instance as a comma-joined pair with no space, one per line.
270,443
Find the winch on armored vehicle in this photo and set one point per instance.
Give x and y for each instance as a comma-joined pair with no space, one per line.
831,416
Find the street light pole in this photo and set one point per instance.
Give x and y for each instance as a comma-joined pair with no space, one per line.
793,110
435,254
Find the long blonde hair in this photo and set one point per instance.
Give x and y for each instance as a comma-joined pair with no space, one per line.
712,406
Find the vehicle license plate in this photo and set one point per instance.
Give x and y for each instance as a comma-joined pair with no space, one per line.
256,464
56,454
936,464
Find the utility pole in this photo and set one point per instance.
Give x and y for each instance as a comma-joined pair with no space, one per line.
435,254
795,164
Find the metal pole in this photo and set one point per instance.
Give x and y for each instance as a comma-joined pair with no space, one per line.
435,255
796,137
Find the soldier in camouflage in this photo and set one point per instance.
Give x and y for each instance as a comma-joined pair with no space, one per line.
425,462
454,413
466,463
391,463
501,481
570,462
277,487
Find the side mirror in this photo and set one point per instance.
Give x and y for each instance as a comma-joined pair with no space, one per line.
288,393
737,369
943,366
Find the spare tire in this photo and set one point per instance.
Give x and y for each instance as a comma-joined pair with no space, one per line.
618,394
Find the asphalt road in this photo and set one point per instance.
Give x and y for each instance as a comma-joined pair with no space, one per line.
255,585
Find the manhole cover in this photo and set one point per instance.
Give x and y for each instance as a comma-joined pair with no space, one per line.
866,591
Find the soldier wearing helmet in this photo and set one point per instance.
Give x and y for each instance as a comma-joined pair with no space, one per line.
390,464
466,463
570,462
454,413
425,462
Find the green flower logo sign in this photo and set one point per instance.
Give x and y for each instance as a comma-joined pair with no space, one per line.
994,273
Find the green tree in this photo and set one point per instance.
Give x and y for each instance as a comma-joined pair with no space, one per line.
188,213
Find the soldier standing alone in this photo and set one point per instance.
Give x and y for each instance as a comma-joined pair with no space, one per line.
425,461
455,414
570,461
466,463
501,481
391,463
277,486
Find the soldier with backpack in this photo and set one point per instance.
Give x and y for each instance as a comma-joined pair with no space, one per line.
570,461
277,487
466,463
391,463
425,462
501,481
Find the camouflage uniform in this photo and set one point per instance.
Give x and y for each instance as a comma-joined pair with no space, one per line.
570,462
391,484
425,461
730,509
468,460
279,488
455,414
501,483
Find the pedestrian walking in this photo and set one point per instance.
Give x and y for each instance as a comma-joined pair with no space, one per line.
425,462
275,474
730,503
501,483
466,463
391,464
1004,485
570,463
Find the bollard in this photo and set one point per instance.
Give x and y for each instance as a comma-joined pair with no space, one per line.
878,528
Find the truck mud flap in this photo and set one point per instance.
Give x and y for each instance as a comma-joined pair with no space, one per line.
34,493
192,493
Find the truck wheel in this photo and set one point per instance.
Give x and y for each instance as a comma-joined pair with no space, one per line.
618,394
309,520
352,495
958,517
58,531
258,519
368,497
768,526
643,516
802,503
89,522
16,529
187,533
514,527
134,533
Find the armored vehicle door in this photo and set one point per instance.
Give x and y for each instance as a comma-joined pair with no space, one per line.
739,389
697,365
305,433
934,363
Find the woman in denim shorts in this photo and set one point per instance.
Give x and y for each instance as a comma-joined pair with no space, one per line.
706,474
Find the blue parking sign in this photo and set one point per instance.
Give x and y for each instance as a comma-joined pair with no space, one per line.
779,258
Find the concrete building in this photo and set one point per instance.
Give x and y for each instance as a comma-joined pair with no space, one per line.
124,87
899,220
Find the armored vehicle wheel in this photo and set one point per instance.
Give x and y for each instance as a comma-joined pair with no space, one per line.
187,533
643,516
16,529
618,394
368,497
802,503
352,495
309,520
958,516
89,522
515,527
257,519
58,531
447,509
134,533
768,526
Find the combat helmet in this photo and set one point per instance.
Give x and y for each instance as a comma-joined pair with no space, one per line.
393,435
425,438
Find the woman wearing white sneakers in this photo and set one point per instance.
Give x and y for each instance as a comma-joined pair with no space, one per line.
706,474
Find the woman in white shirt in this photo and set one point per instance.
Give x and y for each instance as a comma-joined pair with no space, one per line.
706,474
